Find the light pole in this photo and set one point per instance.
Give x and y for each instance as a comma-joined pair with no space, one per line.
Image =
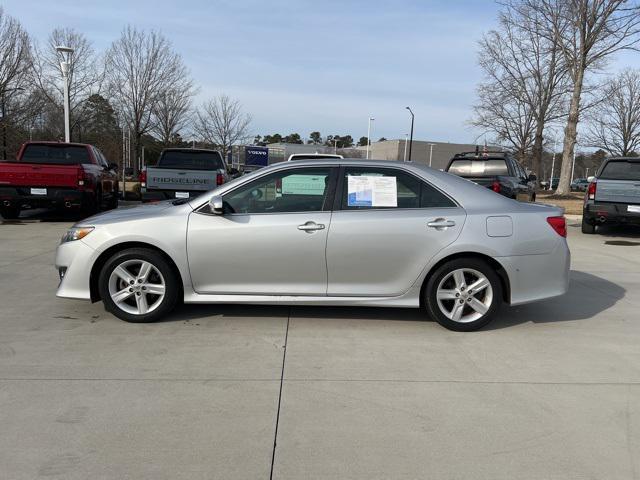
335,146
65,67
369,136
406,140
411,140
431,152
573,164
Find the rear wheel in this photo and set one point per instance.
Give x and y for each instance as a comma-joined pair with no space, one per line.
588,228
463,294
113,201
10,213
138,285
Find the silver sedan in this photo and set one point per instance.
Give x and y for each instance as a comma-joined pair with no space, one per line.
323,232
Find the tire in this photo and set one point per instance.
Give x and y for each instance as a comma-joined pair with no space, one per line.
160,277
113,201
10,213
480,306
587,227
533,198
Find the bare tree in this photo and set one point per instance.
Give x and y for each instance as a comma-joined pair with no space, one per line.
221,121
588,33
172,111
614,123
86,75
503,116
528,67
141,66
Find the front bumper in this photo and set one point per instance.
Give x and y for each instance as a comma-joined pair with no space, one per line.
610,213
76,259
21,197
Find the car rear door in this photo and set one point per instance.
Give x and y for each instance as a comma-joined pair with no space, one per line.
271,239
384,232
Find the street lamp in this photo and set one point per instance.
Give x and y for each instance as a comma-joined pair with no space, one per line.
431,152
411,140
65,67
369,136
406,140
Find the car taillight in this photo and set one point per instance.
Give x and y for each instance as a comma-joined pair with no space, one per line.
495,186
219,179
143,178
559,224
591,191
80,177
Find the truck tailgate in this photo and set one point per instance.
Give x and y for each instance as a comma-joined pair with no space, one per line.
174,179
38,175
618,191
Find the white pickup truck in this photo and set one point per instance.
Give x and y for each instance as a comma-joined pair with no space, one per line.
613,195
183,173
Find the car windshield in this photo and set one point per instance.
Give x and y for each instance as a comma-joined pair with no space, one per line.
621,170
191,160
479,168
56,154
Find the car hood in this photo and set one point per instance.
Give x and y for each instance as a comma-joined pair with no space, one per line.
149,210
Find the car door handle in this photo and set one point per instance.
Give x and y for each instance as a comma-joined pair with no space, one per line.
441,223
311,226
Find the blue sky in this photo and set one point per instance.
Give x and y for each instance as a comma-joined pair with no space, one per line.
299,66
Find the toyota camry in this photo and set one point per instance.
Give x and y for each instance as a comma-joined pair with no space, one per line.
323,232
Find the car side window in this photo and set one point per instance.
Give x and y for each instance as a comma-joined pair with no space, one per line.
286,191
371,187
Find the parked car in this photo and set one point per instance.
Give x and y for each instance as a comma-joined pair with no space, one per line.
68,176
555,181
497,171
579,185
613,196
183,173
323,232
313,156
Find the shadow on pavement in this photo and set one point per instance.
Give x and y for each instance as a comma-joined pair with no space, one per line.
588,296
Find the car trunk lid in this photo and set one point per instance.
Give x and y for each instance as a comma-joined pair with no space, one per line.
38,175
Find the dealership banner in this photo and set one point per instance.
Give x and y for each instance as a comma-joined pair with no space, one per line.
258,156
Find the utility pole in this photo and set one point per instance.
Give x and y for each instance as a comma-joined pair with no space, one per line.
406,140
553,163
411,140
431,152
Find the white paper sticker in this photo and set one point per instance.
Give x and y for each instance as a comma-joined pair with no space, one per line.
372,191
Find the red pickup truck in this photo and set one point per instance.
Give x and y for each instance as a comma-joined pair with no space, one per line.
57,175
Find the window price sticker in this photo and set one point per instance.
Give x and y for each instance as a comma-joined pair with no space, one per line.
372,191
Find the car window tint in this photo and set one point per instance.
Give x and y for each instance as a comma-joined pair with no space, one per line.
479,168
56,154
190,160
294,190
410,191
621,170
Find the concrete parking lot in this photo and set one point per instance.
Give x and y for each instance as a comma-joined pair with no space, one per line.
548,391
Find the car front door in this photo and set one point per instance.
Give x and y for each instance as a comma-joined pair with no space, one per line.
271,238
387,226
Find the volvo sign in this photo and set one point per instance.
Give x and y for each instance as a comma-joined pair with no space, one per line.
256,156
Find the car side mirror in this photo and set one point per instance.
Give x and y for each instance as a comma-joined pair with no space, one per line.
591,179
216,205
113,166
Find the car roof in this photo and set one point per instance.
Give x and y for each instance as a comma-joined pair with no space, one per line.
188,149
61,144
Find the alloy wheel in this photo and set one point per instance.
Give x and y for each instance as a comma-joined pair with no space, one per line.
464,295
136,287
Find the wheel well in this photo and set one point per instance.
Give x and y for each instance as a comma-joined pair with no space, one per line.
502,274
109,252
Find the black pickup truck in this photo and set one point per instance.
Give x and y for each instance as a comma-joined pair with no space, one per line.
498,171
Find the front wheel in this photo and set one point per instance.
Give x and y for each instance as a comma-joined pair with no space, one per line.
138,285
463,294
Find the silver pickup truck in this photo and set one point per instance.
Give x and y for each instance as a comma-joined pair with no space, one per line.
613,195
183,173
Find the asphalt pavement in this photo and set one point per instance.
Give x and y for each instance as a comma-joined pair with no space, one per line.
549,390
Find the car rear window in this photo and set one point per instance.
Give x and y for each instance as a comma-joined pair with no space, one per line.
479,168
191,160
621,170
56,154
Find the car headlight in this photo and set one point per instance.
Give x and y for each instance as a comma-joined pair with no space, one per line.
76,233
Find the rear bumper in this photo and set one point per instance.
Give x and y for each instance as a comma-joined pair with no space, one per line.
21,197
610,213
536,277
160,195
